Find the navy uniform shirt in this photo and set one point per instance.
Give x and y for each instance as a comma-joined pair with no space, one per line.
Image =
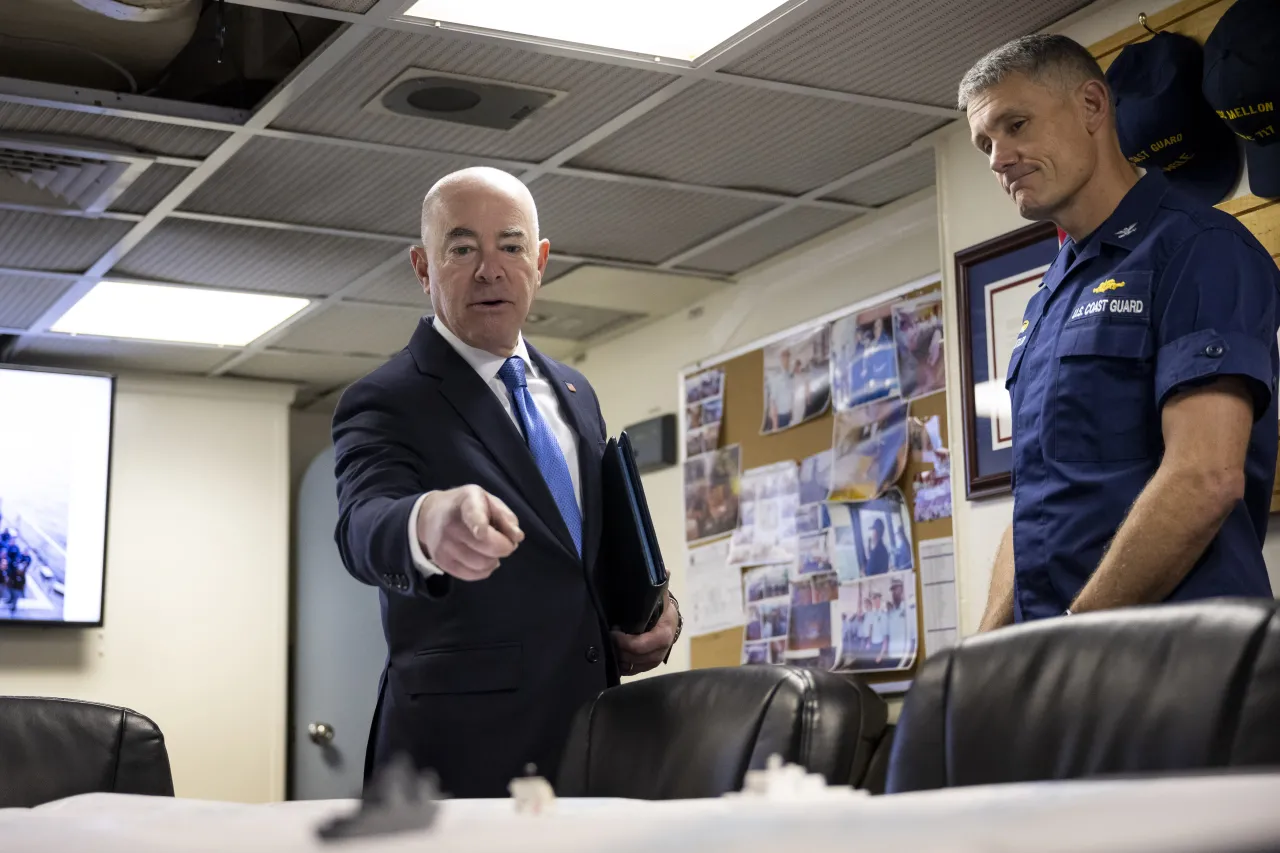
1166,294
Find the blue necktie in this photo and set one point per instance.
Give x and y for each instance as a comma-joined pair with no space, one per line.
546,450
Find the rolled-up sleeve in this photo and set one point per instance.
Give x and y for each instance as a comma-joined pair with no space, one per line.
1216,316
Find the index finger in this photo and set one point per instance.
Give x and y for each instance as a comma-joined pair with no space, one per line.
501,517
474,512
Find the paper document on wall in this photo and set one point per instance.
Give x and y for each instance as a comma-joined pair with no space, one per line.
714,591
938,586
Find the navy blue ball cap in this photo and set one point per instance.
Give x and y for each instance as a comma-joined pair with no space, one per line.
1164,121
1242,84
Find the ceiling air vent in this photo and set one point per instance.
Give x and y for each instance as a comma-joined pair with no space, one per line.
418,93
60,172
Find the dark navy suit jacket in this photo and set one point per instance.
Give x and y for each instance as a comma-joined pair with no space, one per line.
481,677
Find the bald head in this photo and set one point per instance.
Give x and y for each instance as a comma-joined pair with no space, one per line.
481,259
477,182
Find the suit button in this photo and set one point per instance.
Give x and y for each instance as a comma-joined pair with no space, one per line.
593,654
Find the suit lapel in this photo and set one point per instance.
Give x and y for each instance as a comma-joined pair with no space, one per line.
475,404
583,420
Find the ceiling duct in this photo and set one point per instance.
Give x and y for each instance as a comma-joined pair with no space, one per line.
102,44
476,101
60,172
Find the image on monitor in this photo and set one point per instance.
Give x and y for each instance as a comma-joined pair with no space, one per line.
55,455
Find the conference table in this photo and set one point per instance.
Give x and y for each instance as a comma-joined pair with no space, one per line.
1219,813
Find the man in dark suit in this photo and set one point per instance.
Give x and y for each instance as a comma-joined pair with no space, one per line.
469,484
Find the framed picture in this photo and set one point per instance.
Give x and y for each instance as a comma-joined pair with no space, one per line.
996,280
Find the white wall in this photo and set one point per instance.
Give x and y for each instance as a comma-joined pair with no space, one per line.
972,209
637,375
195,625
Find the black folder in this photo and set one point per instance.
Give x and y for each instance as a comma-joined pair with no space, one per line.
629,573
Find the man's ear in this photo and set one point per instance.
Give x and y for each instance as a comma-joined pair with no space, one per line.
1095,100
544,251
418,259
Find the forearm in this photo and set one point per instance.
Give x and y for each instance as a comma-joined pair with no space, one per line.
372,537
1169,526
999,610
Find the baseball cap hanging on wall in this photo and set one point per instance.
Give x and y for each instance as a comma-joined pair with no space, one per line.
1242,83
1164,121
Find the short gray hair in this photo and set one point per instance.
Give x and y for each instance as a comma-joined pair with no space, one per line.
1036,56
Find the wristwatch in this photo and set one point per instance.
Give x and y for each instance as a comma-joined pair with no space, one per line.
679,618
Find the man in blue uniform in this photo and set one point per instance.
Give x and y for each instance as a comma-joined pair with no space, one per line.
1143,382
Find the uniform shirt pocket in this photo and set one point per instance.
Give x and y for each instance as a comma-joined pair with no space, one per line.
1102,406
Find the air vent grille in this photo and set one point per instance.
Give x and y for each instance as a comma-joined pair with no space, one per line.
80,181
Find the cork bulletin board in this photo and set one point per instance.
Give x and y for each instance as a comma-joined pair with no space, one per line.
741,425
1196,19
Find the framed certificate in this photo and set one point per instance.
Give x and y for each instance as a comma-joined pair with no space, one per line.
995,281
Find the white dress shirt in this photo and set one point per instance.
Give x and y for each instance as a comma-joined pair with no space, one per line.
487,365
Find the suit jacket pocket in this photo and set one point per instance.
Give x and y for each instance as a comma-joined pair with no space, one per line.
470,669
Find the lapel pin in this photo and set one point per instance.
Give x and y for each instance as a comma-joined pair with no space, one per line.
570,387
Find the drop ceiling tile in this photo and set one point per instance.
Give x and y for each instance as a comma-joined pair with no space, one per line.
105,354
575,322
335,186
366,330
247,258
396,286
595,94
769,239
151,137
725,135
314,368
656,294
911,50
894,182
56,243
24,298
645,224
150,188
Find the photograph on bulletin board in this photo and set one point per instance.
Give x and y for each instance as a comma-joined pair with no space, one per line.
876,624
769,500
797,380
863,357
870,538
704,410
815,478
917,332
711,483
869,449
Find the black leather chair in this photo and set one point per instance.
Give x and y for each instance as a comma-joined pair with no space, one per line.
55,748
697,733
1145,690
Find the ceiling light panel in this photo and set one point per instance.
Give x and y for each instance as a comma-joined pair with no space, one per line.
672,30
156,312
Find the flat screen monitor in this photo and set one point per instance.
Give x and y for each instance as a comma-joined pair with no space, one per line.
55,470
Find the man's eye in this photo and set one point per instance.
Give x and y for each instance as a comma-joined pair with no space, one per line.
513,249
1017,125
461,250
